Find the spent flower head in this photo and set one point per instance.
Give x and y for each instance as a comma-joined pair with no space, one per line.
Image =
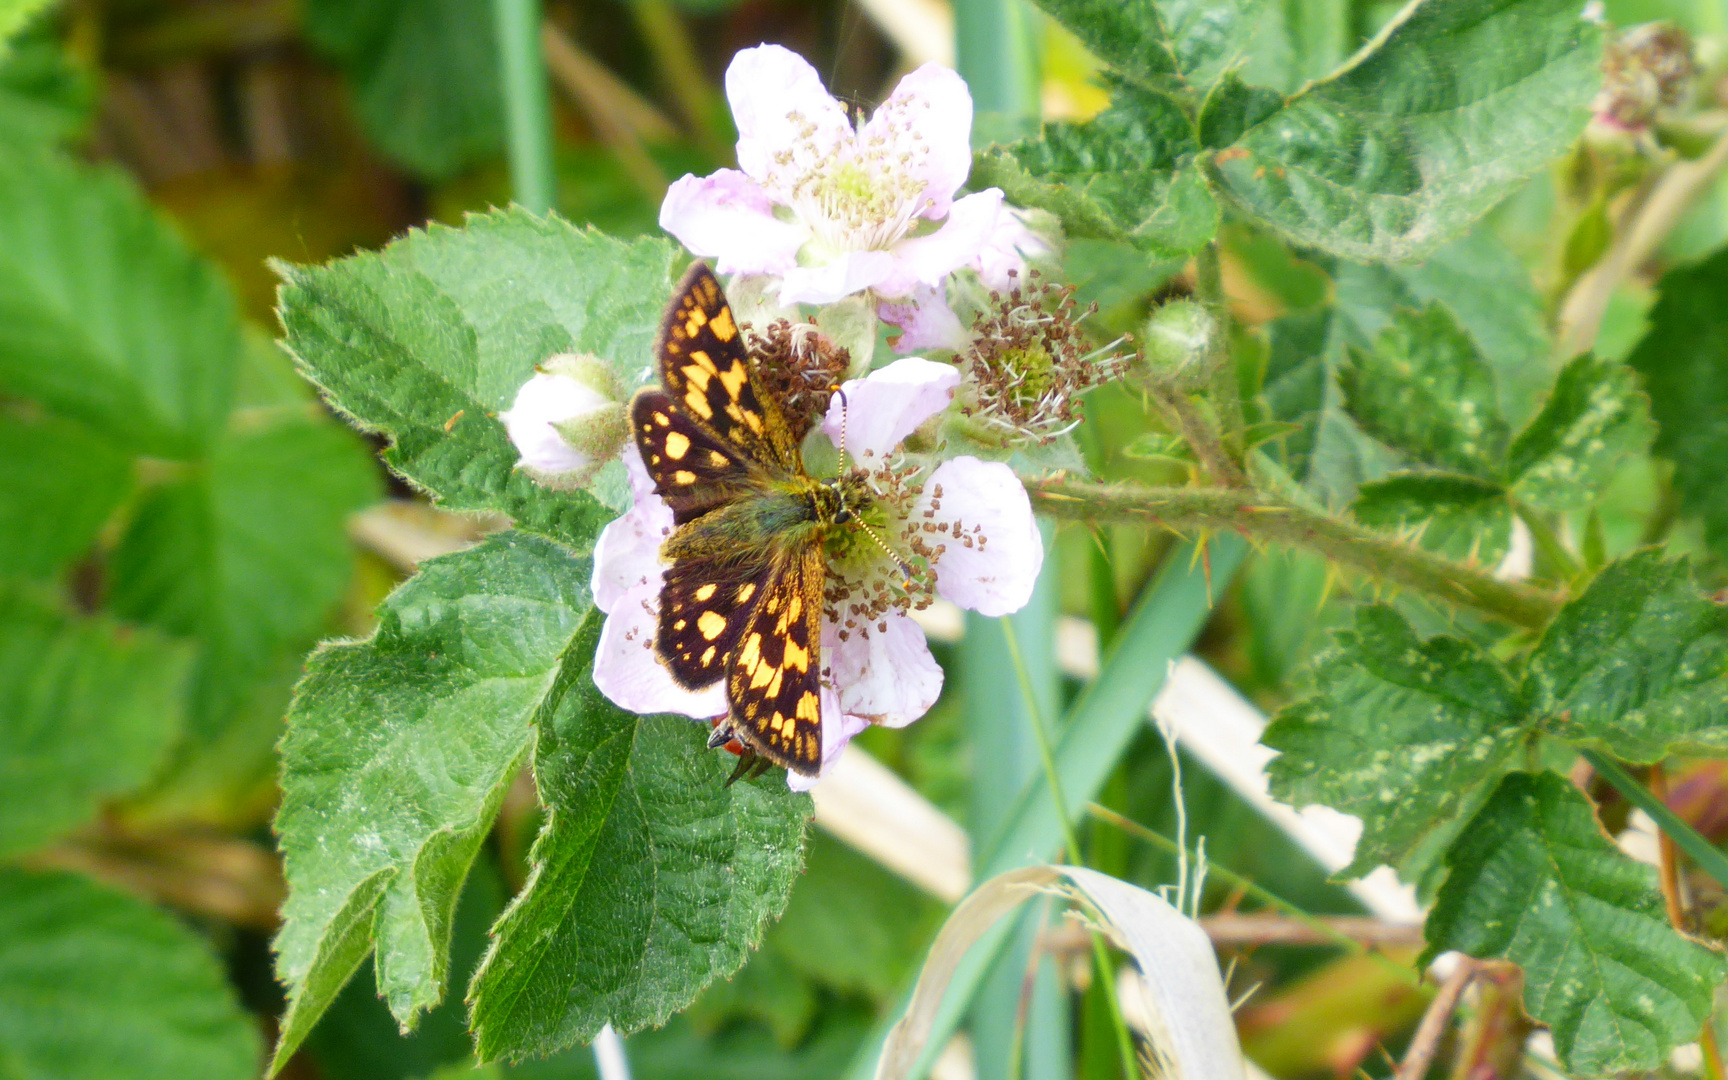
1030,361
1646,71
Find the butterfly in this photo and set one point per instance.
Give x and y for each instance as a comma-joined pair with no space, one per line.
744,590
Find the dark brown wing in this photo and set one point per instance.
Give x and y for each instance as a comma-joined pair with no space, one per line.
774,686
692,468
706,372
704,607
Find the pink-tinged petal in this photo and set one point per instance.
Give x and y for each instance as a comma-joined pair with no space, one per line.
993,563
928,119
787,123
881,409
927,260
1010,244
845,274
627,554
925,320
728,218
627,672
886,676
837,730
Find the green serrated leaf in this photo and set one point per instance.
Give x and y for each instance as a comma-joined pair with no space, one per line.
1594,418
1232,108
424,75
1461,516
90,708
1425,391
428,339
398,751
1129,35
1399,731
247,554
95,985
105,315
1637,666
1684,362
1423,131
63,485
1533,879
43,97
1126,174
652,877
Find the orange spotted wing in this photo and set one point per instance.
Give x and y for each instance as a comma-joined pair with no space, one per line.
718,452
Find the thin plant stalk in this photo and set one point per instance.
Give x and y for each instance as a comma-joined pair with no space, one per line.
527,108
1100,956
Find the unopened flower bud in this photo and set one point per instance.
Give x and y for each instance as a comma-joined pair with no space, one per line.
1175,346
567,421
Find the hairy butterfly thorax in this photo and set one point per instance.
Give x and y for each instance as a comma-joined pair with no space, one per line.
747,563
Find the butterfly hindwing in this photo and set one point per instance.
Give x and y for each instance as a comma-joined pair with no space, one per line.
692,469
706,371
774,686
704,607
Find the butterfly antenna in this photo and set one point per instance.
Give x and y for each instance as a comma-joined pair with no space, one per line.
845,414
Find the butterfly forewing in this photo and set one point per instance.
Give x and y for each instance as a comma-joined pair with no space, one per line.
705,369
693,469
774,686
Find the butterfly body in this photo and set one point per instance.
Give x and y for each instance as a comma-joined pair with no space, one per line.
747,562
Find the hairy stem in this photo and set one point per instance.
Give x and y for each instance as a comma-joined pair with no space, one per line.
1226,398
1201,437
1260,517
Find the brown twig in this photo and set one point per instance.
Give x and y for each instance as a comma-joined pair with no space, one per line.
1426,1042
207,874
1668,873
1230,930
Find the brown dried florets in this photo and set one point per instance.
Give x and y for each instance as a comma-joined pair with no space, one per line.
1030,361
1646,70
799,368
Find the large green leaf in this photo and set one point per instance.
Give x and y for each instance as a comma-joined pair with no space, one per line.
424,75
1593,420
1684,362
43,97
87,709
1534,880
1423,131
1462,516
13,15
1127,175
61,486
247,554
398,751
1399,731
428,339
95,985
1129,35
651,878
105,315
1425,390
1636,666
